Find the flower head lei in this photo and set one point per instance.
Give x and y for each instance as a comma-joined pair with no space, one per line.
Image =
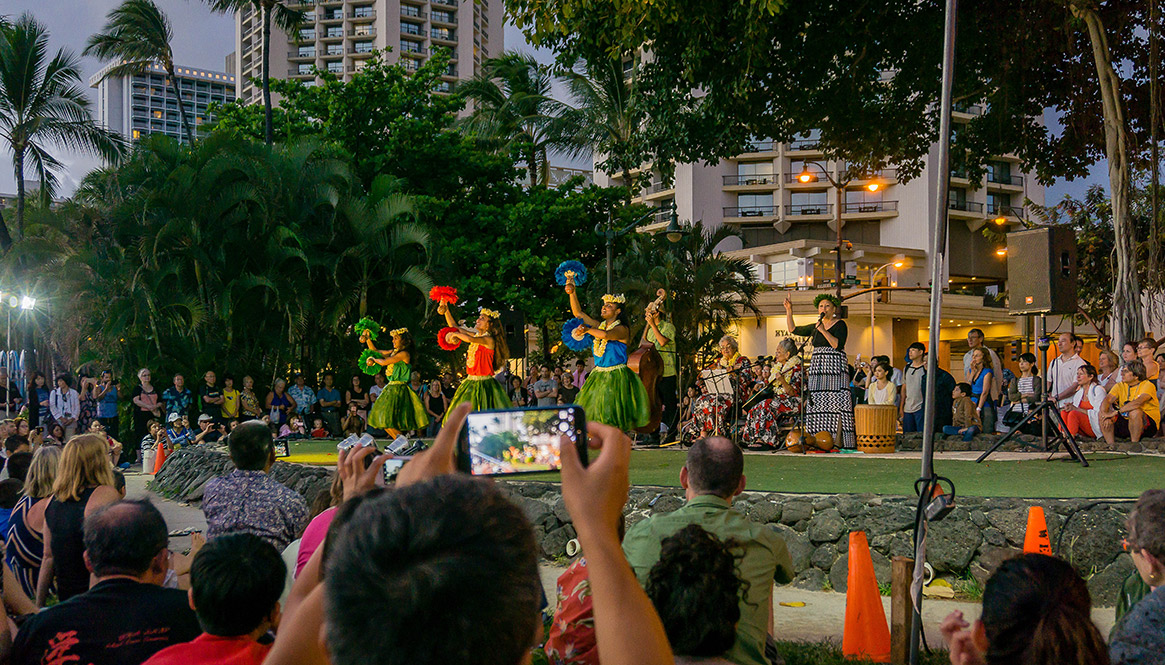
398,331
615,299
490,313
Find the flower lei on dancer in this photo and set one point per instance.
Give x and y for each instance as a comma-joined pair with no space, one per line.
612,394
397,409
487,350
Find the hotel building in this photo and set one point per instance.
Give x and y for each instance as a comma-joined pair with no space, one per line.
143,104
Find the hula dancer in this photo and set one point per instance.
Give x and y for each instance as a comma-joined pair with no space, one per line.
831,407
397,409
487,350
613,394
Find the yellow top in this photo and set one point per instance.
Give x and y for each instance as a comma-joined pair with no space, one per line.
1125,393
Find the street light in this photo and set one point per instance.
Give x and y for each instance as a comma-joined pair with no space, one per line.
808,176
25,303
673,231
898,262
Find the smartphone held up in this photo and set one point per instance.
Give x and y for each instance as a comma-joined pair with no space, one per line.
522,440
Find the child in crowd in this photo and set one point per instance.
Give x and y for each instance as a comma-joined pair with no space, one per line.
966,419
318,431
293,429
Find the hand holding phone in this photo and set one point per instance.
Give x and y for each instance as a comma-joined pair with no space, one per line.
356,475
521,440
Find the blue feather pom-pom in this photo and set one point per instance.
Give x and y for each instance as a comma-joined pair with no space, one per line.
579,270
569,340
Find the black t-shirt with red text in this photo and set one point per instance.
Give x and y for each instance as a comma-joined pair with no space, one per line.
117,622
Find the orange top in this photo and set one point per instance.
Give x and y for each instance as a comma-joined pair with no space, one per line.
479,360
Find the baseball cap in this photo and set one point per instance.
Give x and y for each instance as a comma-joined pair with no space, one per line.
205,417
172,417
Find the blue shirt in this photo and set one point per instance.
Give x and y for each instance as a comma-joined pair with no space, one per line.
178,402
107,407
304,398
254,502
328,395
977,386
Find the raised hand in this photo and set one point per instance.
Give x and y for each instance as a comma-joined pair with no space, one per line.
788,305
443,308
569,288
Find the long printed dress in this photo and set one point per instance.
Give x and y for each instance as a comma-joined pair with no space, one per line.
479,388
713,414
762,422
613,394
831,405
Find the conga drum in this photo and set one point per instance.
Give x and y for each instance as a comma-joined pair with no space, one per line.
876,426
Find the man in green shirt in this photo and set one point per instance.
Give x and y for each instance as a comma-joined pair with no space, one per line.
712,477
662,334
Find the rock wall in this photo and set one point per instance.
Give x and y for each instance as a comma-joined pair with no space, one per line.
184,475
972,540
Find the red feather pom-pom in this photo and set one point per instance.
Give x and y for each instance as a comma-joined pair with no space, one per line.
444,342
446,294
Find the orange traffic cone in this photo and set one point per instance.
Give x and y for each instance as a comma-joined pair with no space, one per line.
867,635
1036,541
160,459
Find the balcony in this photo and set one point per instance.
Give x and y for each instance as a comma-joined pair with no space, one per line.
305,36
750,179
869,207
657,187
442,34
759,146
1009,180
444,3
362,31
750,211
808,209
444,17
299,72
408,11
365,14
411,47
966,206
968,109
410,29
333,33
361,50
820,181
806,145
331,17
1000,210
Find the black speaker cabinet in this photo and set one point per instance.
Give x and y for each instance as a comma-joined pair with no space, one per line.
515,325
1041,271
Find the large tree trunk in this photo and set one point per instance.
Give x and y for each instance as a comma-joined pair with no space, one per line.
267,137
181,107
18,166
1127,322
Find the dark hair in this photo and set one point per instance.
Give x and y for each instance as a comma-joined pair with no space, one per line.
695,588
715,466
501,348
15,441
1137,368
18,465
975,331
10,491
887,368
118,480
1089,370
1030,358
1037,611
124,537
917,345
406,341
452,555
250,445
228,377
1146,523
236,581
965,387
66,378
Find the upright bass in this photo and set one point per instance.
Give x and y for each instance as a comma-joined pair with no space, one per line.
648,364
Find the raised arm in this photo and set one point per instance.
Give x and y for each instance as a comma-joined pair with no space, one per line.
576,307
789,324
390,358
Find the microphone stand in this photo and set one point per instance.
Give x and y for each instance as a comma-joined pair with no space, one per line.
744,366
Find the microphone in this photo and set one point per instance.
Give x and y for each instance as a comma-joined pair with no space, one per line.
821,317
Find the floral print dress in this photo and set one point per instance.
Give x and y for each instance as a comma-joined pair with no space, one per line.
763,421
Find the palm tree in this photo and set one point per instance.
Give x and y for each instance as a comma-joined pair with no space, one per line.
603,118
514,110
276,11
138,34
42,103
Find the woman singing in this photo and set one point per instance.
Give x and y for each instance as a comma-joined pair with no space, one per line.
831,408
712,412
613,394
397,409
487,350
762,427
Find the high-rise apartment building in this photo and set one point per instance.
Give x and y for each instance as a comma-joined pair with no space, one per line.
339,36
142,104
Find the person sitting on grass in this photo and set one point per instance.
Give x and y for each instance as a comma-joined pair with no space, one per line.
1131,411
1139,636
352,423
694,587
966,416
235,582
1036,611
318,431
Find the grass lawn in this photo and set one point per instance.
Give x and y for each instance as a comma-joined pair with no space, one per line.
1109,475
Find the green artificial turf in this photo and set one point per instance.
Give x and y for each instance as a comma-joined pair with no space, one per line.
1109,474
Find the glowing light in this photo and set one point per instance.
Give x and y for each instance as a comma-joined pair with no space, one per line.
873,186
806,176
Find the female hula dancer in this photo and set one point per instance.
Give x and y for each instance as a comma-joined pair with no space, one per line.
612,394
487,350
831,407
397,409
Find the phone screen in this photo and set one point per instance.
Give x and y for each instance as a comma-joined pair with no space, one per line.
524,440
281,448
392,468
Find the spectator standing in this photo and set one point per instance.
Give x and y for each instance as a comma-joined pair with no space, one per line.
88,404
983,383
378,383
913,398
230,399
1036,611
235,582
24,540
83,484
328,398
65,405
568,392
1131,410
145,404
436,403
105,392
210,396
10,398
249,407
358,396
304,396
127,616
280,405
1062,370
712,477
448,384
248,500
991,361
1139,636
517,391
545,388
178,398
39,413
416,386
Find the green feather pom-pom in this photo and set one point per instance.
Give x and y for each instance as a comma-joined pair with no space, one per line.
367,324
370,370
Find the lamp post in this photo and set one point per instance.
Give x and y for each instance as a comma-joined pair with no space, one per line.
898,262
674,233
25,303
808,176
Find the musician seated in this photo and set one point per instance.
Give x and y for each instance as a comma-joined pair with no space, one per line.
712,412
762,426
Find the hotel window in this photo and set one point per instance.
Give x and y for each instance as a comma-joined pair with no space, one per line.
304,69
335,49
363,47
798,166
755,204
335,31
336,67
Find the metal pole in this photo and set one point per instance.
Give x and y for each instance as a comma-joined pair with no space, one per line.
8,367
610,246
937,269
872,321
840,186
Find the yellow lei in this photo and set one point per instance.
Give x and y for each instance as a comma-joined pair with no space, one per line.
731,363
471,356
599,346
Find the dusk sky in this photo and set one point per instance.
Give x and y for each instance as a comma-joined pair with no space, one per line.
203,39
